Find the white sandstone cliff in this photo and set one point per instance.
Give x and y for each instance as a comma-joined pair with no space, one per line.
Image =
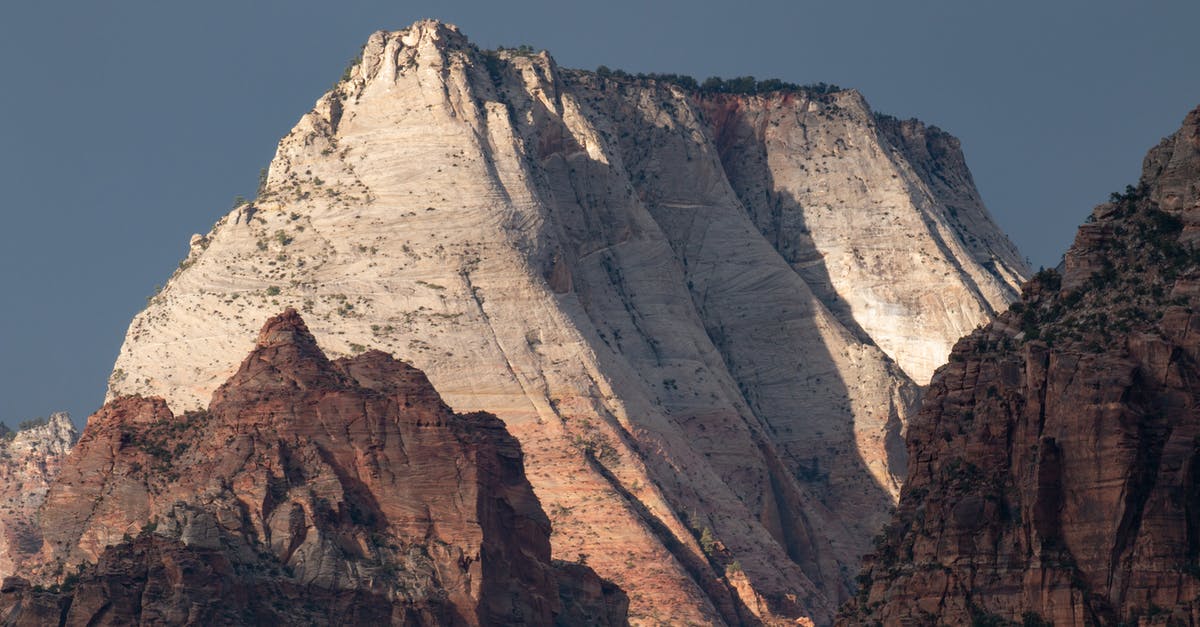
588,258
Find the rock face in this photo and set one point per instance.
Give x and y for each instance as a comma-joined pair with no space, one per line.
29,460
309,490
1055,464
630,275
879,216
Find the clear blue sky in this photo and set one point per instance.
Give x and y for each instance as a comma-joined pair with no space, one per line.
130,125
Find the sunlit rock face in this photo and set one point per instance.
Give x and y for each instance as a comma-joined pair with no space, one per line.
30,459
879,216
710,393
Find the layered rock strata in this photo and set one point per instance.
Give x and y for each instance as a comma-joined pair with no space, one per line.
630,276
1054,464
30,459
335,492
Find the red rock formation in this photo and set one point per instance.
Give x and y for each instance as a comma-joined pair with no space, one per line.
1055,466
29,460
310,491
159,581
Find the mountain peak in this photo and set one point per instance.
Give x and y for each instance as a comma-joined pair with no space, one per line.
304,497
286,355
436,33
592,259
433,28
286,329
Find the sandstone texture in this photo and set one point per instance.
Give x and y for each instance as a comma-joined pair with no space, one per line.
1054,470
30,459
310,490
705,317
879,216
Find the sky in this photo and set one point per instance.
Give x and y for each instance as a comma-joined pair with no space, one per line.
131,124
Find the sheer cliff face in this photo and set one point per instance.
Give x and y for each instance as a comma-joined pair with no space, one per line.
350,480
29,460
1055,460
880,217
705,413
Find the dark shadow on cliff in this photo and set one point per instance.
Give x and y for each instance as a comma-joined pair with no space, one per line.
811,491
770,208
800,466
778,215
779,218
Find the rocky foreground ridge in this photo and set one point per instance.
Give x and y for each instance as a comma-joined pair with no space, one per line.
30,459
1055,465
703,315
309,491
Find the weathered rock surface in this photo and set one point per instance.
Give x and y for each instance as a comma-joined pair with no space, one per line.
1055,464
154,580
29,460
879,216
341,492
692,372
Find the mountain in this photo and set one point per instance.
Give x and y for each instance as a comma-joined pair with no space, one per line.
30,459
705,315
1055,463
308,491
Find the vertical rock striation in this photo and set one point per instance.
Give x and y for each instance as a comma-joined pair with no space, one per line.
711,414
879,216
1053,466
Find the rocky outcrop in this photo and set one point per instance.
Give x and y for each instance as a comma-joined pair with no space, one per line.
154,580
30,459
309,490
1053,475
1174,166
704,405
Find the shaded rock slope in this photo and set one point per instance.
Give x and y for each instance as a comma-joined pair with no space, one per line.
704,316
30,459
309,491
1055,464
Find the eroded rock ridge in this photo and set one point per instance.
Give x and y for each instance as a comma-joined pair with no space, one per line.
309,491
1054,464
